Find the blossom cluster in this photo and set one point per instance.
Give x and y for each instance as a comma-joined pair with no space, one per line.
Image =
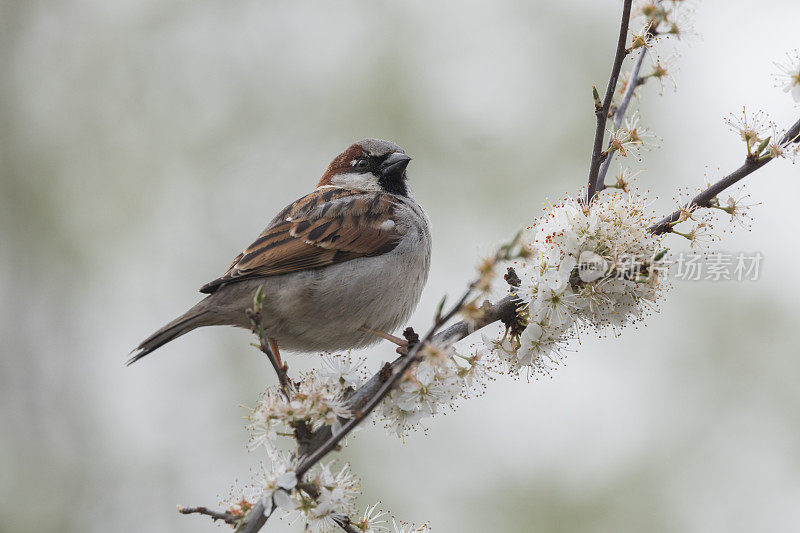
437,381
323,501
592,267
317,400
324,495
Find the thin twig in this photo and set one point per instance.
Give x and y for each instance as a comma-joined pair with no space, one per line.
225,516
280,371
633,83
601,112
257,328
703,198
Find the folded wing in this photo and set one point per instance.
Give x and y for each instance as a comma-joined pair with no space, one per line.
329,226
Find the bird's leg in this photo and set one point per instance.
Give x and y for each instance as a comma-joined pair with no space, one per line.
273,346
382,334
401,343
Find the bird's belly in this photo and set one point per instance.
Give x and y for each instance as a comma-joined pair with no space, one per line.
322,310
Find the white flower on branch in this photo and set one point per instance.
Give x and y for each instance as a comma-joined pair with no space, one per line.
778,148
276,484
427,388
789,76
662,71
330,494
323,498
372,521
700,237
752,129
631,136
424,389
653,10
643,39
437,355
342,370
667,17
555,307
398,419
679,21
624,179
540,349
738,207
314,402
476,370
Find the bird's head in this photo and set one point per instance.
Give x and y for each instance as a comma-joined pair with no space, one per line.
369,165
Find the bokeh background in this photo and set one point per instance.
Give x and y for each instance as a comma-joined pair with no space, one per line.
144,143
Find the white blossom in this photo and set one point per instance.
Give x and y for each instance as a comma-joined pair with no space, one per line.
421,393
427,388
751,128
342,370
275,483
323,497
373,520
539,347
777,147
314,402
630,136
789,76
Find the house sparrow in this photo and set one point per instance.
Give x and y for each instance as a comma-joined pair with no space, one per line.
340,267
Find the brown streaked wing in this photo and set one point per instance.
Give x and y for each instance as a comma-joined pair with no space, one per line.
326,227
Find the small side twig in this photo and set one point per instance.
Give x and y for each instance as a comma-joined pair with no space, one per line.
601,111
704,198
619,114
257,328
225,516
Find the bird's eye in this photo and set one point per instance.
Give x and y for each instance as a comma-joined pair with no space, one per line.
361,164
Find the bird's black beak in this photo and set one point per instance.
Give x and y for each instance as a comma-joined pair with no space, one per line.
394,165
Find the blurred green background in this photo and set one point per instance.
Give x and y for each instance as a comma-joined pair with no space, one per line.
144,143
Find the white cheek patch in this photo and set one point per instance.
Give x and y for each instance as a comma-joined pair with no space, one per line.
363,182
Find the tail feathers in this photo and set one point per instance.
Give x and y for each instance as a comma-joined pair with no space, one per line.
185,323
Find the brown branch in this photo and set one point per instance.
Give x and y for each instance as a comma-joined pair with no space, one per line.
619,113
254,520
225,516
601,112
704,198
